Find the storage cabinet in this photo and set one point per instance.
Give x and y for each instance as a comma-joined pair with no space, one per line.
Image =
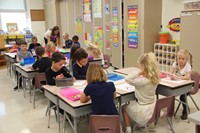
166,55
2,56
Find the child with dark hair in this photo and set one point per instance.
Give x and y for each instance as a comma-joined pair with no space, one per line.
16,46
81,65
75,40
72,52
34,43
43,62
57,69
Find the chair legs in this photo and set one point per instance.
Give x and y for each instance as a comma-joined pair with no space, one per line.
170,124
177,108
146,128
49,113
194,102
34,97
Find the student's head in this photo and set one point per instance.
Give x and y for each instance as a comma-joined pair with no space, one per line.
184,56
149,65
94,50
73,50
65,36
95,73
39,51
34,40
18,42
23,46
55,31
75,39
81,57
50,47
58,60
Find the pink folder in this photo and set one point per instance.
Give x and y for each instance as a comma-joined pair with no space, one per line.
71,94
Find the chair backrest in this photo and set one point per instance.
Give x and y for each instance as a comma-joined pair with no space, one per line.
38,78
163,106
104,124
197,129
107,61
195,76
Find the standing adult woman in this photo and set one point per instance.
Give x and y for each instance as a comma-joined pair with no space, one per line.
52,35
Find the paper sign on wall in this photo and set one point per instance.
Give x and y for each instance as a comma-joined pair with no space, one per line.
88,38
87,16
97,12
78,25
132,26
115,27
98,36
107,7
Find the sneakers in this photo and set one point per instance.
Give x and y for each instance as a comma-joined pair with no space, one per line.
184,116
15,88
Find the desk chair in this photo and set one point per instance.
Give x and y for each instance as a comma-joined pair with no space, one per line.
40,78
195,77
165,105
197,129
104,124
107,62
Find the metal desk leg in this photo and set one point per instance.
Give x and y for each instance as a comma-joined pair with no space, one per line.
58,115
75,125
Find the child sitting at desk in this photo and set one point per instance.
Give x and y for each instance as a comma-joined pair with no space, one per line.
181,69
75,40
33,45
57,69
102,93
23,53
81,65
50,48
68,42
43,62
16,46
145,82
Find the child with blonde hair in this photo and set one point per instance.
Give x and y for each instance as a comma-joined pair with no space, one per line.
50,48
145,82
68,42
181,69
102,93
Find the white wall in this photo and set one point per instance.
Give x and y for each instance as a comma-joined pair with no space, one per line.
38,27
171,9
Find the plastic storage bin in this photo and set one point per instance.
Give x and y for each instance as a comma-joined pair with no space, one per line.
164,37
29,60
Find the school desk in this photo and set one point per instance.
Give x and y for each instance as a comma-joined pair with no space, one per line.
195,117
126,71
28,73
96,60
11,59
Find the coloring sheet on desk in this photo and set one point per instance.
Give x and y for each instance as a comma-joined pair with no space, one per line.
126,87
173,81
79,82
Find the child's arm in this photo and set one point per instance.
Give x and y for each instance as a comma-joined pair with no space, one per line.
17,59
186,77
49,78
35,65
84,98
66,72
114,94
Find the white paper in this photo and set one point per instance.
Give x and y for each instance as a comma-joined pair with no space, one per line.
79,82
126,87
179,81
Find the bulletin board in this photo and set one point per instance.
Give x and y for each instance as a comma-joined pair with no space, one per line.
37,15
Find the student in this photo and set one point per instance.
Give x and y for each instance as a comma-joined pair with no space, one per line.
102,93
81,65
16,46
50,48
34,44
57,69
181,69
52,35
68,42
23,53
43,62
145,82
75,40
94,51
72,52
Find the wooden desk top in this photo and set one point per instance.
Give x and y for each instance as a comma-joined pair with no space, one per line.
26,68
11,55
175,84
195,117
127,70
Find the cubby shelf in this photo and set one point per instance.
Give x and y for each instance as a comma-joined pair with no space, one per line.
165,55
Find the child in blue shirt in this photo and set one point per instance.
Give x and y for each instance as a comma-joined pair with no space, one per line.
75,40
81,65
102,93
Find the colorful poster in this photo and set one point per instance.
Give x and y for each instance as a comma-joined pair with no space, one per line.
78,25
115,27
88,38
108,26
97,12
174,24
107,7
98,36
132,26
87,16
108,42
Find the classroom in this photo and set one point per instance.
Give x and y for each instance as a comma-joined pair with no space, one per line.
99,66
